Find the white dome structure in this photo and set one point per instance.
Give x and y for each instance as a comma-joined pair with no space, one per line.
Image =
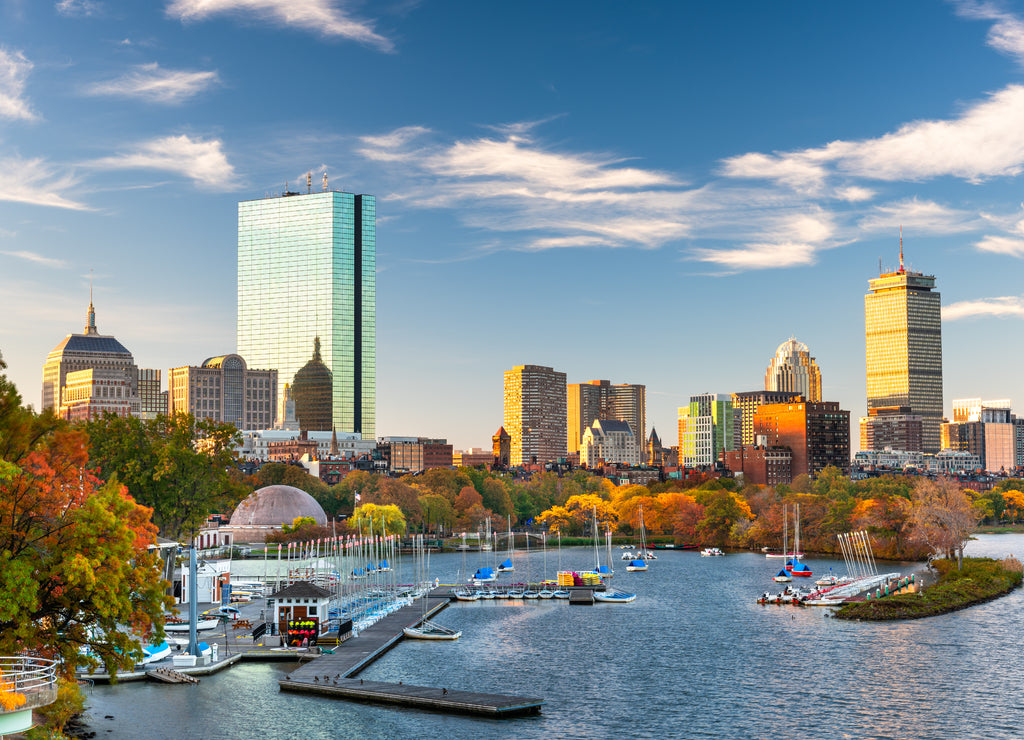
793,370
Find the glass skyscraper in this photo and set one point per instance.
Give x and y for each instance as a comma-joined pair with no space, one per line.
903,338
306,270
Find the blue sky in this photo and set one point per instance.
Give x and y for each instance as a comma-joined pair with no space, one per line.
653,193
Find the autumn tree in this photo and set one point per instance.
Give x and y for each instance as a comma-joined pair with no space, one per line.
371,519
75,568
437,511
943,517
722,509
176,465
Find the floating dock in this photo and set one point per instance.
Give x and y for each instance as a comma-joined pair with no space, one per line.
419,697
333,674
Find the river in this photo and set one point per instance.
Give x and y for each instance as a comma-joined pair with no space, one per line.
693,656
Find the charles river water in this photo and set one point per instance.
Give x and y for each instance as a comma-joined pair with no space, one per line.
693,656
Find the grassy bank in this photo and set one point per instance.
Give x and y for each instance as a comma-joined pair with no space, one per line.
982,579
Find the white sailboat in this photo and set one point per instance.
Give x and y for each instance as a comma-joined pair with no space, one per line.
604,571
427,630
639,563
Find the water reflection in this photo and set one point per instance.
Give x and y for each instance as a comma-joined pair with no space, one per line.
693,656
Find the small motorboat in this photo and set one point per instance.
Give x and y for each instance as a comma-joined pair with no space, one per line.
153,653
561,594
711,552
201,624
614,597
430,631
627,555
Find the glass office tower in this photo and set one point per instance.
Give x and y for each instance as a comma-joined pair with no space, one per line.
903,338
307,269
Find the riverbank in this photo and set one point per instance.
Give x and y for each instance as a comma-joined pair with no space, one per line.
980,580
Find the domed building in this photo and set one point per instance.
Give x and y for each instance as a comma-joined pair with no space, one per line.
794,370
267,509
312,390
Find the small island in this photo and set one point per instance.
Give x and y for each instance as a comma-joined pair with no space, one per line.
977,581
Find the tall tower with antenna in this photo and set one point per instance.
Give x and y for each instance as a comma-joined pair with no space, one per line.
307,270
903,351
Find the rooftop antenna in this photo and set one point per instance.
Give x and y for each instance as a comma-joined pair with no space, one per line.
325,181
879,267
901,247
309,182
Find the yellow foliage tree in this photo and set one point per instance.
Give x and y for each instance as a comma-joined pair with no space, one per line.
1014,504
9,698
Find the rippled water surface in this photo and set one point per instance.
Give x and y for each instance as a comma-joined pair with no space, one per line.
693,656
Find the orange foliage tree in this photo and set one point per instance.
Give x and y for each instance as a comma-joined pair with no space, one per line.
75,568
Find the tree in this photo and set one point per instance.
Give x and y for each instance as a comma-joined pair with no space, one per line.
177,465
371,519
943,517
722,509
437,510
75,568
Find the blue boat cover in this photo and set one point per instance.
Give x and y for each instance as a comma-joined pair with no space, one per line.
383,564
800,567
782,572
484,572
507,563
603,569
636,563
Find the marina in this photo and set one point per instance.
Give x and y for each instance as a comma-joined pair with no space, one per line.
704,642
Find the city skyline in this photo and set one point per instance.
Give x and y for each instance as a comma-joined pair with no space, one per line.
743,168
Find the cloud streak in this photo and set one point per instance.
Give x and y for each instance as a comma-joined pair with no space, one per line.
36,182
510,182
1000,307
319,16
203,162
150,82
14,70
37,258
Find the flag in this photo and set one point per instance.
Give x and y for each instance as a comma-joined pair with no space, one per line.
358,497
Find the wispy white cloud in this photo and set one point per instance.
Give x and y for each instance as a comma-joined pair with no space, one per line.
320,16
1001,307
854,194
37,258
14,69
204,162
547,199
36,182
1008,245
920,217
150,82
75,8
1006,34
793,240
987,140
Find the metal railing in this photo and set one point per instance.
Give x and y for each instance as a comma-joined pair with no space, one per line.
33,678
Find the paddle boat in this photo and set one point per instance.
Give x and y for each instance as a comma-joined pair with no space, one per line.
614,597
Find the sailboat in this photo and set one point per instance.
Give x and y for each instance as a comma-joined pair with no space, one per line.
640,563
427,630
560,593
545,592
463,593
794,566
529,592
795,553
604,571
506,566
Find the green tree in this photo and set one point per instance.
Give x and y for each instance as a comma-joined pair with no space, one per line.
722,510
371,519
75,568
437,511
176,465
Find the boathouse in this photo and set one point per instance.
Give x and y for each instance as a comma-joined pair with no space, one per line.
300,610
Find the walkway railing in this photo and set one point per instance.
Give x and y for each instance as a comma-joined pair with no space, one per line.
31,681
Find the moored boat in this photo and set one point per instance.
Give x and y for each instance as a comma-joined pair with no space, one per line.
614,597
782,576
711,552
636,565
429,631
202,624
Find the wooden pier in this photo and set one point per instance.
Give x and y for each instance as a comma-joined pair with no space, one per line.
333,674
584,597
168,675
419,697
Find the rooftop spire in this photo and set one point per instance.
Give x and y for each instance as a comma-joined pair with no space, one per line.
901,248
90,319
